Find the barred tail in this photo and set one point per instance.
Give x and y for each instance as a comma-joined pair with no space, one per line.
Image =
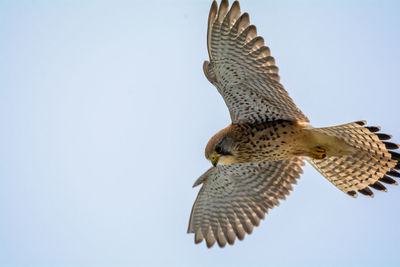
369,163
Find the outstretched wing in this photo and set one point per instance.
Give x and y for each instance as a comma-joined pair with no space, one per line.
235,197
243,71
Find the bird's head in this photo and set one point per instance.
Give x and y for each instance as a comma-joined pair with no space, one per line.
219,149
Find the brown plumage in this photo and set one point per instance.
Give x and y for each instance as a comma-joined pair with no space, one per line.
259,156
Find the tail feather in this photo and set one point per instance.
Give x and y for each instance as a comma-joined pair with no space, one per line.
370,162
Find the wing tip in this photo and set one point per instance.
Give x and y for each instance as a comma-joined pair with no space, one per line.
212,15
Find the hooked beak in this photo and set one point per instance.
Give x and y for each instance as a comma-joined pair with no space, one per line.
214,160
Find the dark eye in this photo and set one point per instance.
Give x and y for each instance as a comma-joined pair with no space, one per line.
218,149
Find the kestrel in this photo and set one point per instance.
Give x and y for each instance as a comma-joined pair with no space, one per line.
258,157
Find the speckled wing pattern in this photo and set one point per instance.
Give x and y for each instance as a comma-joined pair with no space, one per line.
235,197
373,163
243,70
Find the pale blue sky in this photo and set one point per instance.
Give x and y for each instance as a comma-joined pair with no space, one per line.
105,114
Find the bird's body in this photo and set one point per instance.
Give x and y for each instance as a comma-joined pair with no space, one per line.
274,140
259,156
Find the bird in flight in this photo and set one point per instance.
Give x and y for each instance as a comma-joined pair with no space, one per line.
259,156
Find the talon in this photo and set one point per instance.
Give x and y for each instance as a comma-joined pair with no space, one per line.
318,152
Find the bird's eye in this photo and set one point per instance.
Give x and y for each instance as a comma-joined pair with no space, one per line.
218,149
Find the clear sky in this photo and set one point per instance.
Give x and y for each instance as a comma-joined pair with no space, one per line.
105,114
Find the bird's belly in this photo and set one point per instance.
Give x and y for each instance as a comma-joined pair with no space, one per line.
273,141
